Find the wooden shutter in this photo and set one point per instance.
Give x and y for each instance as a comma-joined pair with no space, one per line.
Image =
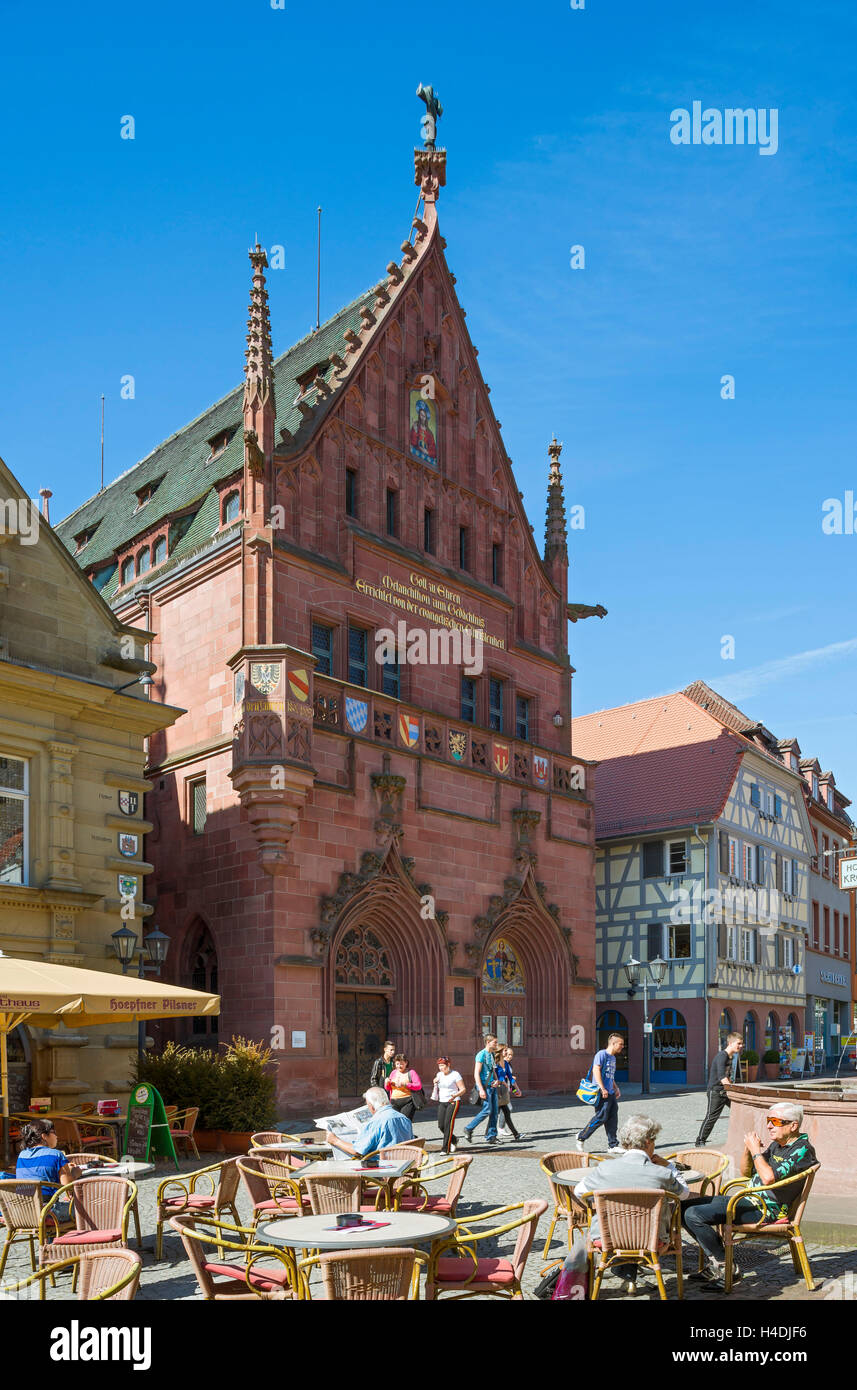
721,940
778,871
780,950
757,958
755,798
760,864
654,945
724,852
778,806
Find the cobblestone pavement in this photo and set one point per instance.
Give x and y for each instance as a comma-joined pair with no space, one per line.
510,1173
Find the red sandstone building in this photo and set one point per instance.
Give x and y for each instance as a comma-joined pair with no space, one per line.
314,807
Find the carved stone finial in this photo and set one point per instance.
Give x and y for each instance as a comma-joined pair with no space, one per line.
555,531
259,357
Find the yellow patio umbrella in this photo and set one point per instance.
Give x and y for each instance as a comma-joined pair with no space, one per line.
36,992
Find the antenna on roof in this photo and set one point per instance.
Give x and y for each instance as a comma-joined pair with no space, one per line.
318,279
101,489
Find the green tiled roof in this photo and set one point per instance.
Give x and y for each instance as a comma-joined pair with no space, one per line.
182,461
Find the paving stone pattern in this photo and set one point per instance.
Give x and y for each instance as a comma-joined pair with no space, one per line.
509,1173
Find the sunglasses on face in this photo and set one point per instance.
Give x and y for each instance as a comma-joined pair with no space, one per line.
775,1120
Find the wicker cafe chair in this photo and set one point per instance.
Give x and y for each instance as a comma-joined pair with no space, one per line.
182,1125
455,1268
83,1159
234,1280
572,1213
416,1197
629,1221
197,1193
101,1275
396,1153
711,1162
21,1211
101,1207
85,1135
271,1187
787,1228
333,1192
365,1276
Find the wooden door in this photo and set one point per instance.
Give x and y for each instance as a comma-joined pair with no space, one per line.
361,1027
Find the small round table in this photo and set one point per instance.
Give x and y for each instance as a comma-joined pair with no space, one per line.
132,1168
315,1233
570,1177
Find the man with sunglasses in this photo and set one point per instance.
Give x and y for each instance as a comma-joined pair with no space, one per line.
789,1153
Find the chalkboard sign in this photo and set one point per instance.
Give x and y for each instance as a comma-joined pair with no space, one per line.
147,1130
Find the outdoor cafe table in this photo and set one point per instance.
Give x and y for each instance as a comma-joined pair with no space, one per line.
385,1174
316,1150
322,1233
131,1168
570,1177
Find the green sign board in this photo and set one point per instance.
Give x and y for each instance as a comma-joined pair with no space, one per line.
147,1129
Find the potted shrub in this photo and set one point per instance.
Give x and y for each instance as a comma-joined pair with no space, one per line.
244,1098
752,1060
771,1063
233,1089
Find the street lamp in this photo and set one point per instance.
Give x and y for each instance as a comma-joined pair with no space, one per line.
635,973
152,955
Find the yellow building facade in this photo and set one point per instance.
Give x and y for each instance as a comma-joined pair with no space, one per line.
72,758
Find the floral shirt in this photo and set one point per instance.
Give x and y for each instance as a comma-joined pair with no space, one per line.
785,1159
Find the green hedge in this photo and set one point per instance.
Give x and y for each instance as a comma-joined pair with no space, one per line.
233,1087
771,1055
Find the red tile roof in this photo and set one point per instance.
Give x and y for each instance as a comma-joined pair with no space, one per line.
661,763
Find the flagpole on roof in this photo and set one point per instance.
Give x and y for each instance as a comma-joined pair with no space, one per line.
318,278
101,489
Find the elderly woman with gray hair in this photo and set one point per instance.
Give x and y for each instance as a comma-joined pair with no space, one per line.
639,1167
788,1153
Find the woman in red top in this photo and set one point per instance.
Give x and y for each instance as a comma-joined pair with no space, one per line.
401,1084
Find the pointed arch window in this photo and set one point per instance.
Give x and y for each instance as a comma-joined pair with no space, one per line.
203,975
362,959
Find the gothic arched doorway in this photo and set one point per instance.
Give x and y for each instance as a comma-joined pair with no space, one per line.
363,976
386,970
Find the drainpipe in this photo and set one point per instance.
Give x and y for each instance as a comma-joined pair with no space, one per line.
706,950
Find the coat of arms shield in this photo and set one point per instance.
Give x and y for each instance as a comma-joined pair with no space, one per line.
265,676
356,714
457,744
128,844
128,803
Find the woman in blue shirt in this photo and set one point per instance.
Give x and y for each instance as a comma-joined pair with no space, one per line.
40,1158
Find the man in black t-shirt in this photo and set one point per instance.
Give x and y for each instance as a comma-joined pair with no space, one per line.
721,1066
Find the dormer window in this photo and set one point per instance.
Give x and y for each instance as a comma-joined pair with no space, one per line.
218,442
815,786
84,537
128,570
230,508
305,379
830,798
144,560
147,492
159,551
795,763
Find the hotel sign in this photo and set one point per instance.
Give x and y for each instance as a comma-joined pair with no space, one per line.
848,873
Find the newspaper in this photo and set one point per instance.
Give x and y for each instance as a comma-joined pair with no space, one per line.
346,1124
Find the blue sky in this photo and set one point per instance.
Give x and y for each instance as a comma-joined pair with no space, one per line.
703,516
